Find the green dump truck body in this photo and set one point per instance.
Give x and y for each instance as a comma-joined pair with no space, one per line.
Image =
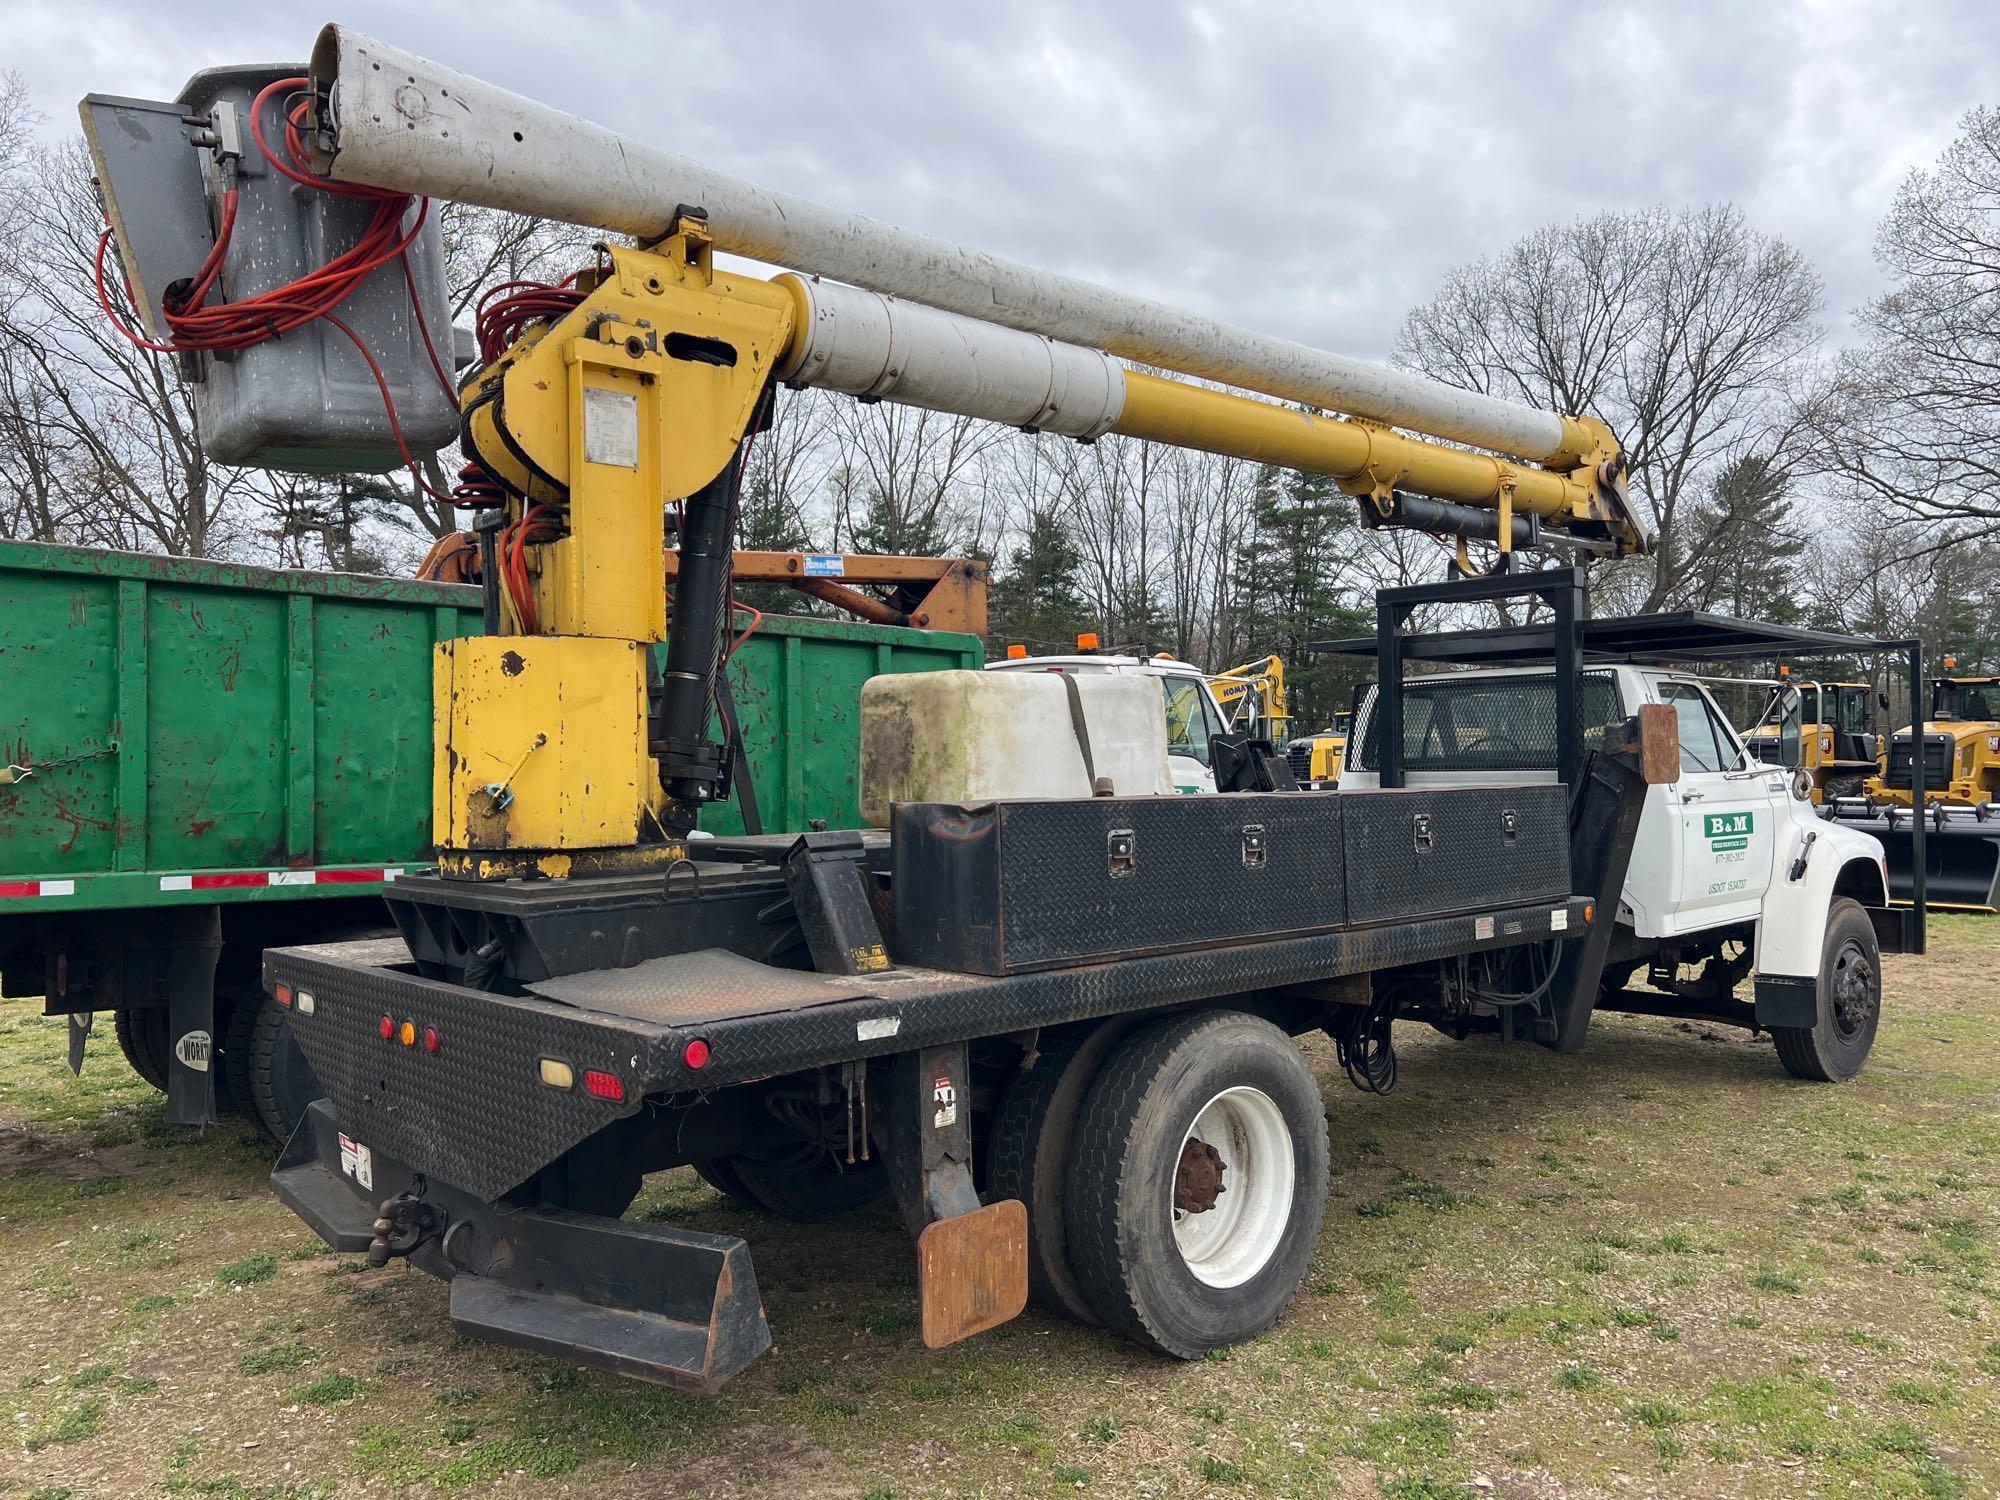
212,732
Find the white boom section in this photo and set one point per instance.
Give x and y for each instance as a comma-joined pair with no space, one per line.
864,344
401,122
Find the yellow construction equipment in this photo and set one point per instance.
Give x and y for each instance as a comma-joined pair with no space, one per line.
632,388
1838,746
1253,696
1961,747
1315,758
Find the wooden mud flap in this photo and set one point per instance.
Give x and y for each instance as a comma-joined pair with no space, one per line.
972,1271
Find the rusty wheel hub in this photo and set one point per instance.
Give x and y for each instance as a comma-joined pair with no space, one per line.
1198,1178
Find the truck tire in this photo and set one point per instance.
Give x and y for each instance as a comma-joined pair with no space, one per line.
280,1080
1833,1049
810,1194
142,1037
235,1012
719,1172
1029,1154
1174,1103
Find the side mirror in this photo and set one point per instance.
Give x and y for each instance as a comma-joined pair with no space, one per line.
1789,744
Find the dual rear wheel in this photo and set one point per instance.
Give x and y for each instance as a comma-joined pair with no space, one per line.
1175,1177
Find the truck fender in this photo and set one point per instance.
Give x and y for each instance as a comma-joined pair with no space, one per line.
1838,862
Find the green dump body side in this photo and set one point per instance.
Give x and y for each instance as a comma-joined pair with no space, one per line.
253,733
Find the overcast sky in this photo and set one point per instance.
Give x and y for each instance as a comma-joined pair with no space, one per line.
1305,169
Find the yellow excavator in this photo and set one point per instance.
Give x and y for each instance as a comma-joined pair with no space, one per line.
1253,695
1315,758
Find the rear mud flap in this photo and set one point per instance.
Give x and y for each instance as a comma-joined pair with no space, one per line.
648,1301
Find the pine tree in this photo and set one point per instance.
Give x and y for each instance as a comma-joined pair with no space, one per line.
1746,548
1036,598
1300,542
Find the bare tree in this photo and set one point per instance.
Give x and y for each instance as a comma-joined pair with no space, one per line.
1680,328
115,420
906,480
1912,417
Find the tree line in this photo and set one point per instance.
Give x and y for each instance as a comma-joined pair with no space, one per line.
1854,487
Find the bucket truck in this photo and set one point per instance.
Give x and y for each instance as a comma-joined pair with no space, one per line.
1056,1030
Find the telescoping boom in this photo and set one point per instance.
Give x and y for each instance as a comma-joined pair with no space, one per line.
889,314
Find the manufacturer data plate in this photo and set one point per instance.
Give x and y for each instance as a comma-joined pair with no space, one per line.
610,428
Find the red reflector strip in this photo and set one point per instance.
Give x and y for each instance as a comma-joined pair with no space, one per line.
603,1085
37,888
249,879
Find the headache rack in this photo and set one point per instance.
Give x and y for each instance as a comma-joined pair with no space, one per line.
1565,635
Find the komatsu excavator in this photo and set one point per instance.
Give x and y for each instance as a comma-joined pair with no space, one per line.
1096,988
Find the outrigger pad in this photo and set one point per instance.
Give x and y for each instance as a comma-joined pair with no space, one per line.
972,1271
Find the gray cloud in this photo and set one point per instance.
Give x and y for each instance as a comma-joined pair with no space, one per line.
1306,169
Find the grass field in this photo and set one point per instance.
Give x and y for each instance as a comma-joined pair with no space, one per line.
1660,1267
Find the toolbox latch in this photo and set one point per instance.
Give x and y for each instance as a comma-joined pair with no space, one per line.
1253,846
1121,852
1510,826
1425,833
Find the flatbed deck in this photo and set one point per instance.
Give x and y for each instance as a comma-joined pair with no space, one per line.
439,1111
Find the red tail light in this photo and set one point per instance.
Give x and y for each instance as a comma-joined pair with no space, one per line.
431,1040
603,1085
387,1027
695,1054
282,993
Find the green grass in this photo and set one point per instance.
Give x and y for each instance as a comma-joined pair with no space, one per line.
1543,1270
248,1271
328,1390
279,1357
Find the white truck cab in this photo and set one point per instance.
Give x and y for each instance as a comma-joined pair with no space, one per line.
1731,868
1192,712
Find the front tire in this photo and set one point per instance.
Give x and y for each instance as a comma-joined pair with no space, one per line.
1185,1113
1834,1047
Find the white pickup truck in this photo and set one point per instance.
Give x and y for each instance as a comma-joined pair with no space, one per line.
1732,873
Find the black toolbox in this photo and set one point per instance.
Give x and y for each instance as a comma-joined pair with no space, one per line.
1007,887
1428,851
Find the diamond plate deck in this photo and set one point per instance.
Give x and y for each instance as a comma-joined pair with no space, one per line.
690,989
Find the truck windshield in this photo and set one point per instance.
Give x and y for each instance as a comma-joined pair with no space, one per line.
1964,700
1850,709
1453,722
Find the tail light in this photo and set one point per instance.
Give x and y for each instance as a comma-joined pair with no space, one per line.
601,1085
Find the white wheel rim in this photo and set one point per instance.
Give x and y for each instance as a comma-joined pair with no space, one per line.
1231,1242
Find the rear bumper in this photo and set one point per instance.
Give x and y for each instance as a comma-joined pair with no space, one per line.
673,1306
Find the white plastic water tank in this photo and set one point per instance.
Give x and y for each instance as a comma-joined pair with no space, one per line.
969,737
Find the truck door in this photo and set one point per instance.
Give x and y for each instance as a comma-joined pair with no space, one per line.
1726,815
1192,718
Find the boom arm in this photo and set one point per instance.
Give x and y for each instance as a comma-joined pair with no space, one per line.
946,327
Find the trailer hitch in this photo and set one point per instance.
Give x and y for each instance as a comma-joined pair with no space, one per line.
402,1223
